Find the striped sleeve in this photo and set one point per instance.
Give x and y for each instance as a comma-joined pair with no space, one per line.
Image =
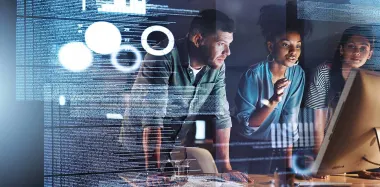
318,88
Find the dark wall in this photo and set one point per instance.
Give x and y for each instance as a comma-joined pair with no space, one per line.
7,51
21,123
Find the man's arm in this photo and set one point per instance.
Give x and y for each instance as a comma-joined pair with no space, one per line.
153,75
222,154
222,120
152,140
223,149
223,125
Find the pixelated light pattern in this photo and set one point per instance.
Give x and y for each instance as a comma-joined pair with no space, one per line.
103,37
355,11
150,50
114,116
75,56
83,106
120,6
62,100
84,5
200,133
40,37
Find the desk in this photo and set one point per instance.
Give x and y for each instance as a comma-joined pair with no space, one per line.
264,180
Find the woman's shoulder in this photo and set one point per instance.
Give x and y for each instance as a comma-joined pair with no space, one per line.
325,67
257,68
297,70
322,73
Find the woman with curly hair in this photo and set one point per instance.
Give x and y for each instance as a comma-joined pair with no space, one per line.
269,95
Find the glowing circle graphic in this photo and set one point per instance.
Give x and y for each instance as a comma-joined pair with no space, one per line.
103,37
75,56
129,69
298,169
145,45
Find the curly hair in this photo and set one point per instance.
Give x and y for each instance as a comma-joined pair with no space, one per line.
276,20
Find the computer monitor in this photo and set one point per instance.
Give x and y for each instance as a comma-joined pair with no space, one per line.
352,142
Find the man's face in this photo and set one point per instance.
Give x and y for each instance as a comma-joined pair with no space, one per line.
215,48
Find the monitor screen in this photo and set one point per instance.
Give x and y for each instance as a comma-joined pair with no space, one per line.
350,143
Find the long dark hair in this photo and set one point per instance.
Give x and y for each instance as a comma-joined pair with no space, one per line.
336,77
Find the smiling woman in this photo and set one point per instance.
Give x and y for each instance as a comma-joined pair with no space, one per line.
269,95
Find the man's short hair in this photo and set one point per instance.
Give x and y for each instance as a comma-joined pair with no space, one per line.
209,21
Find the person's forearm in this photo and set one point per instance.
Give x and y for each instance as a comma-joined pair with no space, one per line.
222,148
289,155
152,140
319,127
259,115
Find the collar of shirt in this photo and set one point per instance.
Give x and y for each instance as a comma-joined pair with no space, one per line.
195,71
184,52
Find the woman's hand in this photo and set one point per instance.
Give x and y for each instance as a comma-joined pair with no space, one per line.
279,88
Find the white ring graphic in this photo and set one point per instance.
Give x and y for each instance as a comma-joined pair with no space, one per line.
124,69
145,45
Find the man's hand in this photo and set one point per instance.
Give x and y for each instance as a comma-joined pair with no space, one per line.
222,152
236,176
152,146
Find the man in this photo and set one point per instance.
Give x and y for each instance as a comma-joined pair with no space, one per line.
170,91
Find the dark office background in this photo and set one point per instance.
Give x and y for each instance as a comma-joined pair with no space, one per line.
21,123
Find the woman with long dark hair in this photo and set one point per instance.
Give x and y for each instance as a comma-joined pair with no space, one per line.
354,50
